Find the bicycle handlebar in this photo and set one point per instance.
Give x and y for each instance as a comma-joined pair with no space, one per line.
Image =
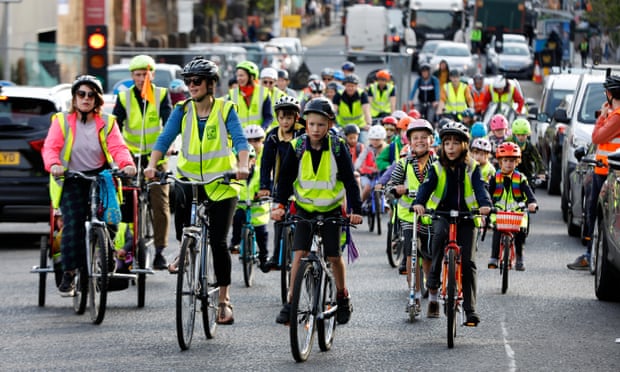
227,179
344,221
435,214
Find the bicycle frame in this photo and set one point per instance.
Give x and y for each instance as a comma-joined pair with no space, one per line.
452,246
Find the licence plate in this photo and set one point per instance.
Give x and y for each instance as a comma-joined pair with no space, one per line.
9,158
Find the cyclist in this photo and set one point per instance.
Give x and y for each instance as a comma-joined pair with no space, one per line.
468,116
369,171
454,96
428,96
478,92
499,129
454,183
316,88
141,122
318,170
531,164
502,91
353,107
283,82
268,78
252,100
509,187
406,178
327,75
443,72
478,130
481,150
86,140
348,68
390,153
205,123
276,145
382,95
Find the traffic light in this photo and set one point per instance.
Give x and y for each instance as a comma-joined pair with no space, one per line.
97,53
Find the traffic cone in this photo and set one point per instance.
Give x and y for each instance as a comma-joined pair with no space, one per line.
537,77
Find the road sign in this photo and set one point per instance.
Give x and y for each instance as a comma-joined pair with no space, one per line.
291,21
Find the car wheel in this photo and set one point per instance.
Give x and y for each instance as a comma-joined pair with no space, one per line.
553,179
606,277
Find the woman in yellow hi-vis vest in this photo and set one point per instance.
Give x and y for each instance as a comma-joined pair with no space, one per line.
455,96
206,125
252,100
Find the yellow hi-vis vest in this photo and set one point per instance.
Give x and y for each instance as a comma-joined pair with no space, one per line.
380,99
504,98
56,184
353,115
202,160
260,213
506,201
404,202
252,115
440,190
455,101
133,128
320,191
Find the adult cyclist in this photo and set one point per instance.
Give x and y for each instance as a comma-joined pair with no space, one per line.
428,95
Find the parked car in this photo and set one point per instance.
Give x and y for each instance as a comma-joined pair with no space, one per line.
606,249
550,147
425,54
458,57
515,61
294,52
508,38
581,185
580,117
25,114
164,74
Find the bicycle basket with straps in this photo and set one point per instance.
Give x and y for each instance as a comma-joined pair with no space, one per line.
508,221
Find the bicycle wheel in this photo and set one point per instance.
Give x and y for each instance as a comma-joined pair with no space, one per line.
247,257
186,292
98,280
396,251
451,298
505,266
377,210
371,220
210,302
302,317
388,245
326,327
286,249
43,254
141,263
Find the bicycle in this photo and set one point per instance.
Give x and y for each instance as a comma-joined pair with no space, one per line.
413,307
248,254
314,304
394,248
285,257
376,205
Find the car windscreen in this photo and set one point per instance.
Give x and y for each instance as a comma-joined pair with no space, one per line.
429,47
515,50
554,98
452,52
24,112
593,98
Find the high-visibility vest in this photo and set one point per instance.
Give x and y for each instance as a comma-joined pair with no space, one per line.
478,97
440,190
405,201
508,200
320,191
57,183
455,101
353,115
380,99
252,115
260,213
476,35
603,150
504,98
212,156
133,128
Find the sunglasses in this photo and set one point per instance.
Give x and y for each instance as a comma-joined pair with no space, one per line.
83,93
254,139
268,82
195,80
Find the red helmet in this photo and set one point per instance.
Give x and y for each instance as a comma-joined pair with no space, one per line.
389,120
383,74
508,150
414,114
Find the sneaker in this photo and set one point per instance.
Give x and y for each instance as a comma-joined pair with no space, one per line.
234,249
520,266
343,315
493,263
159,263
273,263
264,265
433,309
581,263
66,287
285,314
472,319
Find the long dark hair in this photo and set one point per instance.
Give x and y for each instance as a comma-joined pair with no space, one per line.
463,158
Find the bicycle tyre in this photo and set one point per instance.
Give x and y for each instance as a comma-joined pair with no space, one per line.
326,327
141,282
247,257
43,254
302,318
98,280
377,210
371,220
80,298
396,251
211,300
186,292
505,248
287,260
451,297
388,245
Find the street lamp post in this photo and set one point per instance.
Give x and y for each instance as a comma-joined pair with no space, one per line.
6,63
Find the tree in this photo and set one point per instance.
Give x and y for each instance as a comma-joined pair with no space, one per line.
605,13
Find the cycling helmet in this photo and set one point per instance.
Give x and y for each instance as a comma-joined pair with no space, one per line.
352,79
377,132
389,120
250,67
444,121
177,86
498,121
253,131
287,103
383,74
454,72
348,66
508,150
455,128
468,113
478,130
332,85
425,66
314,77
142,62
419,124
351,129
414,114
399,114
612,82
478,77
482,144
283,74
200,66
521,126
92,81
327,72
320,105
269,73
404,122
499,82
338,75
316,86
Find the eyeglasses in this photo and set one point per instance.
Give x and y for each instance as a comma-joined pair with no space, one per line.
254,139
195,80
83,93
328,79
268,82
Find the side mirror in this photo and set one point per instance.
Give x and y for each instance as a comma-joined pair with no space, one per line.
580,152
560,116
532,113
542,117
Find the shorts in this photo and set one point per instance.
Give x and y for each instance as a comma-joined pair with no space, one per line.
365,180
330,233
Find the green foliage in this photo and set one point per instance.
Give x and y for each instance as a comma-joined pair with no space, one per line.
605,13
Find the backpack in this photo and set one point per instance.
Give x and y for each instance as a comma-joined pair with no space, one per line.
302,143
108,197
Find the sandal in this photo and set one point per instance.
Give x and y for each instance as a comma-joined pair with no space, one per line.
225,313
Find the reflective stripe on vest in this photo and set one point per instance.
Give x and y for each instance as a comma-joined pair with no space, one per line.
440,190
504,98
380,99
509,200
455,101
404,202
252,115
260,213
352,115
603,150
134,124
320,191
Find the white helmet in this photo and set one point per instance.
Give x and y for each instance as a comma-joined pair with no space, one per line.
377,132
499,82
269,73
253,131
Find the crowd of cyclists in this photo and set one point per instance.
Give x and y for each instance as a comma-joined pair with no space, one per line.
326,149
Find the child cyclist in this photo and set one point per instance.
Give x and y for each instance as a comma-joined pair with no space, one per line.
318,170
481,150
406,178
499,132
509,187
454,183
287,110
531,164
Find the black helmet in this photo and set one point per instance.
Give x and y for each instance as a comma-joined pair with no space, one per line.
455,128
92,81
200,66
283,74
353,79
351,129
287,103
443,121
320,105
425,66
612,83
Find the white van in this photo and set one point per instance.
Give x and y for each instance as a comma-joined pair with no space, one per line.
366,31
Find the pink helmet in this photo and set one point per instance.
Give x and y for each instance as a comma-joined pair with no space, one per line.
498,121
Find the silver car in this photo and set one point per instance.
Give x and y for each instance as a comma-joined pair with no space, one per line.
515,61
458,57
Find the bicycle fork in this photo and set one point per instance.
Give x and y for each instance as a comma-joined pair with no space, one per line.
412,272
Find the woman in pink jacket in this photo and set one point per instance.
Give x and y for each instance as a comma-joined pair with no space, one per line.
88,141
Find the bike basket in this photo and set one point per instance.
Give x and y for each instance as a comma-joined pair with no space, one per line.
508,221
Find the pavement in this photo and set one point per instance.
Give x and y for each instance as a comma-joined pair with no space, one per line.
318,36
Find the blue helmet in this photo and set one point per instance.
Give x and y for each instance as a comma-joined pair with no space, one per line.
478,130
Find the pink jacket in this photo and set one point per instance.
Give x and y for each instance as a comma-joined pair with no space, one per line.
55,141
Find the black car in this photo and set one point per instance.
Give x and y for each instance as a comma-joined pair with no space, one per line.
580,189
